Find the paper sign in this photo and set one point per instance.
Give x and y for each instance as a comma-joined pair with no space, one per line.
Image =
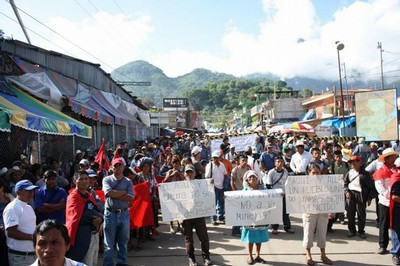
314,194
253,207
187,199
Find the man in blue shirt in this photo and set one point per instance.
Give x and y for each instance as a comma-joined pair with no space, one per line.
267,158
50,199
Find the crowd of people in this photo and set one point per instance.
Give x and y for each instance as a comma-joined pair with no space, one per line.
86,207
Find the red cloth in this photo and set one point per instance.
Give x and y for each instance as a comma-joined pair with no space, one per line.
141,212
74,210
393,179
383,172
100,194
101,157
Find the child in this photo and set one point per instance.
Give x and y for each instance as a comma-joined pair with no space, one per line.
315,222
253,234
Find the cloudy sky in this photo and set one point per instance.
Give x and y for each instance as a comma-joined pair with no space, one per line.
285,37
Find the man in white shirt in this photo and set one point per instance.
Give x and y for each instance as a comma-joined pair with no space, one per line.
300,159
217,171
20,223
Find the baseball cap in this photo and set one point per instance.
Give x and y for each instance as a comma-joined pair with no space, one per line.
78,151
24,185
196,150
216,153
189,167
117,160
91,173
354,158
84,162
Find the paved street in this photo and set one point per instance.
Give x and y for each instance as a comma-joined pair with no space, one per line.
282,249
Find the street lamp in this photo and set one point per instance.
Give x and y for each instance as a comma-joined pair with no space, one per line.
340,46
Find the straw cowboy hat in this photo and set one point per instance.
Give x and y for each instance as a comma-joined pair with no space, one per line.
388,152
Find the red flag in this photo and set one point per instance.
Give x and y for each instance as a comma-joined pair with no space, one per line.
101,157
141,212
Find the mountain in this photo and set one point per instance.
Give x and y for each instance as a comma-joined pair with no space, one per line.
163,86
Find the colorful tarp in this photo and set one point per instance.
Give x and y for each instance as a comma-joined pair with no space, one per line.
70,88
27,112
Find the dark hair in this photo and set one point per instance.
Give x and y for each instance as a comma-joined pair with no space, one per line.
48,224
49,173
35,167
312,165
79,173
278,158
337,153
95,166
127,171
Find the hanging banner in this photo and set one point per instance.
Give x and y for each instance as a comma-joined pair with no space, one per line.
187,199
314,194
239,142
253,207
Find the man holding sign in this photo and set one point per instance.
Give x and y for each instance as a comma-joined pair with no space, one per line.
201,230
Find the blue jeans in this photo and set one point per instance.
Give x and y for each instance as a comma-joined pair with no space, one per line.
395,251
116,230
219,204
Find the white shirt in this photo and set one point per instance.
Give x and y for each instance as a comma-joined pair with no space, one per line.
254,165
21,214
354,180
382,186
299,162
67,262
218,174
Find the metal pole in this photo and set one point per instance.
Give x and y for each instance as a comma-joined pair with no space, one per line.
21,23
380,48
38,148
340,47
347,89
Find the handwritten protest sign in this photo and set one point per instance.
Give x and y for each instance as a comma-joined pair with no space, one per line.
253,207
239,142
314,194
187,199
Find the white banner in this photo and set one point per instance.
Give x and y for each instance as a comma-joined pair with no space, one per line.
253,207
239,142
314,194
187,199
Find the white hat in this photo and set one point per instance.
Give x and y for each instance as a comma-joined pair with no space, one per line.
3,171
196,150
299,143
84,162
216,153
78,151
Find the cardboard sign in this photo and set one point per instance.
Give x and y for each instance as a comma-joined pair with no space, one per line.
187,199
253,207
314,194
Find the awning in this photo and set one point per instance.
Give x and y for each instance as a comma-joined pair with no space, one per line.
27,112
70,89
114,105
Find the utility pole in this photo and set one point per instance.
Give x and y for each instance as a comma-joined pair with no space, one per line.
21,23
381,50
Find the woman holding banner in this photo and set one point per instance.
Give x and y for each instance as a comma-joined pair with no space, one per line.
315,222
253,234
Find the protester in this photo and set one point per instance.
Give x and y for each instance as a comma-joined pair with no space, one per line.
217,171
315,222
5,199
83,221
276,179
199,224
50,199
51,242
253,234
20,223
118,191
360,190
382,182
300,159
395,213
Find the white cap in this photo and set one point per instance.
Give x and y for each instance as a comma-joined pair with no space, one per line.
216,153
84,162
397,162
196,150
78,151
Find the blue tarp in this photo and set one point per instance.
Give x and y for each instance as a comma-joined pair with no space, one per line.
337,122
